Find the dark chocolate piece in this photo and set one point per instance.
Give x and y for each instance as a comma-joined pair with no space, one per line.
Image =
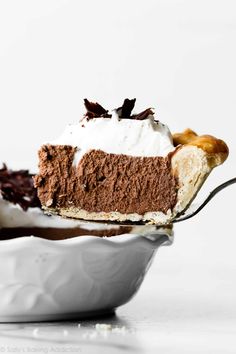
125,110
143,115
95,110
18,188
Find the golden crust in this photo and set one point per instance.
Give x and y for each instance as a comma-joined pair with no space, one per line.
217,151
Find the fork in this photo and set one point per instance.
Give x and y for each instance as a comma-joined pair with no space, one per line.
195,208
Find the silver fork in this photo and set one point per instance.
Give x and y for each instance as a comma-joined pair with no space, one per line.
195,208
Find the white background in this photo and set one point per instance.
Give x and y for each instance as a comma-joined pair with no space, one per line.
176,56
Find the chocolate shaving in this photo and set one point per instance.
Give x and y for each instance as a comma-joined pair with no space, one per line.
18,188
95,110
125,110
143,115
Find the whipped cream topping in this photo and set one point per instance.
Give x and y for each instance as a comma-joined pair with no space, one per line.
145,138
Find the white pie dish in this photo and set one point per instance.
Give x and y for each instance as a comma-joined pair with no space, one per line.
43,280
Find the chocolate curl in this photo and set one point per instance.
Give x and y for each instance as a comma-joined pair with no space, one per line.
125,110
143,115
95,110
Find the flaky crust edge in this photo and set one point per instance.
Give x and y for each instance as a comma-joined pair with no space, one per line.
215,149
192,162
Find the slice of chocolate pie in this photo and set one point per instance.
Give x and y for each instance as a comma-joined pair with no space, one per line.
124,167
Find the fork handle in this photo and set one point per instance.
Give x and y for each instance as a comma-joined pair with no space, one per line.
206,201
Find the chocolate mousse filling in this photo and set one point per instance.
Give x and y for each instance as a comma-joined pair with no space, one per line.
105,182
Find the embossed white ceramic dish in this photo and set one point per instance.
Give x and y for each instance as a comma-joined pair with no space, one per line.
43,280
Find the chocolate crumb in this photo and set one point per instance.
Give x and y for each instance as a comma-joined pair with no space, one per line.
18,188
